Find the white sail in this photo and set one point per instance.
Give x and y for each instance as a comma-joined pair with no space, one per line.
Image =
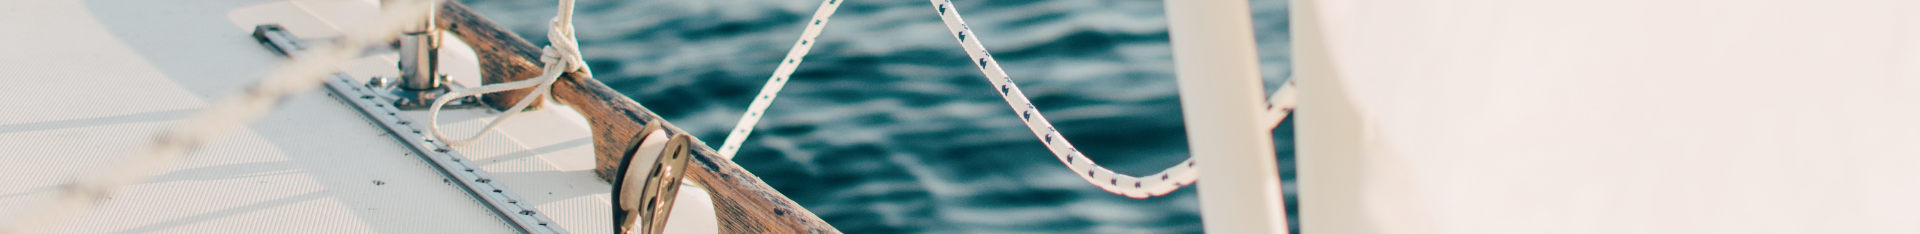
1625,116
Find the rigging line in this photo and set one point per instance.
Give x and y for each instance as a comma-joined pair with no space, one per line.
778,80
89,188
1281,104
559,57
1156,184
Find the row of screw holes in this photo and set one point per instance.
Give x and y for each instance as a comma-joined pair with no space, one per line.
444,150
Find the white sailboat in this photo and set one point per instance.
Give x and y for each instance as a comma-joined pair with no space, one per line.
100,78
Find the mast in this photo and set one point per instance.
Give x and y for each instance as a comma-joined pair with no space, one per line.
1221,97
1329,151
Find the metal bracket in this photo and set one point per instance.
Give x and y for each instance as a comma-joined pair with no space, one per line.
412,99
458,170
420,80
649,180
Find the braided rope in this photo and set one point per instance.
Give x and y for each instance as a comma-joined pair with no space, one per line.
1156,184
779,79
559,57
1281,104
172,145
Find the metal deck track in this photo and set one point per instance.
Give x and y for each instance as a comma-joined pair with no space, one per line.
458,170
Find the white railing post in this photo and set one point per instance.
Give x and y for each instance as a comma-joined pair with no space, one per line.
1221,97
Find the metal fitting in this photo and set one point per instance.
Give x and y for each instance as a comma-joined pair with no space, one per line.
420,81
650,178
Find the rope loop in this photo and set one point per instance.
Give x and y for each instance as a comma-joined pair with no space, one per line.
1278,106
559,57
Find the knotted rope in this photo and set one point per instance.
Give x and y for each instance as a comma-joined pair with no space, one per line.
559,57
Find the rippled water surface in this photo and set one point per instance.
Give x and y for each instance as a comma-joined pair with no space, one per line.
887,128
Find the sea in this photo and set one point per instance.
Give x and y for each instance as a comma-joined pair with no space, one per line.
886,127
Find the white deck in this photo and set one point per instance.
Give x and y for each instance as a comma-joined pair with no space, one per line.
90,80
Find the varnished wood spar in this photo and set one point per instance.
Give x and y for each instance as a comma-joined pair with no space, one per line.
744,203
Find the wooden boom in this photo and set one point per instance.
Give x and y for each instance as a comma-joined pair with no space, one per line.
744,203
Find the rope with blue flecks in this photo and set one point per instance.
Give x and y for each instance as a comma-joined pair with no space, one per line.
779,79
89,188
1281,104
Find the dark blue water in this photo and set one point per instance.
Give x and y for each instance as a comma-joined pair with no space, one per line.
887,128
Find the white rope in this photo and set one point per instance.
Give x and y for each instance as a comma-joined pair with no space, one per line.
561,56
1281,104
172,145
1136,187
779,79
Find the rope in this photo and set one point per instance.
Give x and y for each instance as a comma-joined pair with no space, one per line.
1281,104
1157,184
562,56
172,145
779,79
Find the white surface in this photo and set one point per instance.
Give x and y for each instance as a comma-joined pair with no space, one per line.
1225,111
98,76
1628,116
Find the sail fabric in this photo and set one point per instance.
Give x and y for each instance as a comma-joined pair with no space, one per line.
1625,116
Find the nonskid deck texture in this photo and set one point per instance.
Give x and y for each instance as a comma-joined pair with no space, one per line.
118,71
